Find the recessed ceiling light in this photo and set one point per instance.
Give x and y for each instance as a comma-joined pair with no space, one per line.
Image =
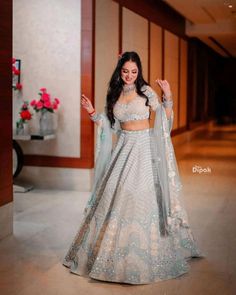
228,3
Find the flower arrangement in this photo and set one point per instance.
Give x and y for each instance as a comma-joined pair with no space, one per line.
16,75
25,115
45,104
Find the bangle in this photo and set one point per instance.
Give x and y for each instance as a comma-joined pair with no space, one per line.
167,103
92,113
95,117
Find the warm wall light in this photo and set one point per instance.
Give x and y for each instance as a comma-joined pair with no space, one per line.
228,3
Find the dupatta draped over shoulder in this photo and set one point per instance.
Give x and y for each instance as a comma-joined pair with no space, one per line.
163,162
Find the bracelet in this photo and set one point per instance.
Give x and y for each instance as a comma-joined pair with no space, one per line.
167,103
92,113
95,117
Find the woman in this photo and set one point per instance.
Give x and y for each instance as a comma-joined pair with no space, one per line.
135,229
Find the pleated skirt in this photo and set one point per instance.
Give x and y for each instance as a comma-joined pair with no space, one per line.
119,239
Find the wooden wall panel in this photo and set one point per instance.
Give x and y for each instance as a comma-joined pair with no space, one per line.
106,49
6,194
155,62
171,69
183,83
155,56
135,37
159,13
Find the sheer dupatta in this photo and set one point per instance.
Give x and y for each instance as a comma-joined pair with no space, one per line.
102,156
164,164
165,168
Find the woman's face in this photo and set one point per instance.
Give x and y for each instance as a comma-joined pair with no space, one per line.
129,72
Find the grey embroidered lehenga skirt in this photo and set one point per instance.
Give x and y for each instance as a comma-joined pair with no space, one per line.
119,239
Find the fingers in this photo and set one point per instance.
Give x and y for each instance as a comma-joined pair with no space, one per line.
162,83
84,98
85,101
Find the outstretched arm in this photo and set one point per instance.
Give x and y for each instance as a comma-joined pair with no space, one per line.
87,105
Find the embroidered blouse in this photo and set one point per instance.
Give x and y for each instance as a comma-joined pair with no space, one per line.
136,108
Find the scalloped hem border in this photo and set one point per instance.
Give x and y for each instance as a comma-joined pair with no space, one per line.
69,264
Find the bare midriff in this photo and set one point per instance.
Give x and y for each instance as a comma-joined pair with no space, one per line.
135,125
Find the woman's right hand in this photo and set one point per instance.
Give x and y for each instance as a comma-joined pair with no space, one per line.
86,104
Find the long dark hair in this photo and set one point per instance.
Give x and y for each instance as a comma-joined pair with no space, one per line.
116,83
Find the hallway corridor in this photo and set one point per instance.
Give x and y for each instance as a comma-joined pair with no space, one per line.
46,221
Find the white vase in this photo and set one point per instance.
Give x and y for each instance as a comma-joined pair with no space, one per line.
23,129
46,123
20,128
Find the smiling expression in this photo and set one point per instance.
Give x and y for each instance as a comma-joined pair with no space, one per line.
129,72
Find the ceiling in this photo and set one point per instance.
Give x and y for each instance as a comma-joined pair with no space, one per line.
211,21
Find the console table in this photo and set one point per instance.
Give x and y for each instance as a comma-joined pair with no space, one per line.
18,156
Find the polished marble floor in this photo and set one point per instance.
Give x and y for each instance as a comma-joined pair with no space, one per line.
45,222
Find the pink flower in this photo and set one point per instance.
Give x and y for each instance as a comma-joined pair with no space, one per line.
45,96
18,86
43,90
13,60
47,104
25,115
57,101
39,105
55,106
16,72
33,103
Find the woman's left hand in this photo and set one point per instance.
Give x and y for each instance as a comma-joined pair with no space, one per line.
165,87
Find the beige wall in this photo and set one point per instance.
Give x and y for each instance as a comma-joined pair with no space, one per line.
171,69
183,83
47,40
135,37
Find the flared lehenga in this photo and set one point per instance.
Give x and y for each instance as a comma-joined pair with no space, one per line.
119,239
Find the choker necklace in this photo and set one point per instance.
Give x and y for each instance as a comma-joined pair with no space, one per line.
128,88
